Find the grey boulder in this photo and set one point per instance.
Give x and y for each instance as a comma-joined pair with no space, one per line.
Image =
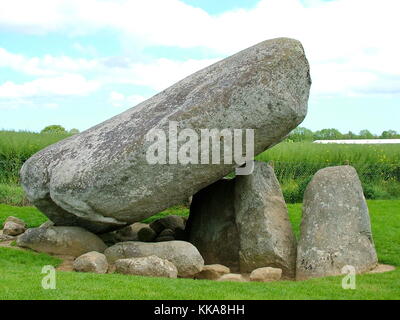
183,255
13,226
266,274
335,227
151,266
13,229
93,261
71,241
232,277
212,272
100,179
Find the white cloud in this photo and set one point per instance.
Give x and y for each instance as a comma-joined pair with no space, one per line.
119,100
158,74
351,44
68,84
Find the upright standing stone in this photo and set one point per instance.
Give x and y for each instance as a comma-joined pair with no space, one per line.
335,228
243,223
100,179
265,232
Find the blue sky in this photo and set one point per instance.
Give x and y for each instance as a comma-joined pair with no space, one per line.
77,63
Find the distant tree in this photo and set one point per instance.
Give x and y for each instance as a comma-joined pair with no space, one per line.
366,134
389,134
73,131
350,135
328,134
301,134
54,129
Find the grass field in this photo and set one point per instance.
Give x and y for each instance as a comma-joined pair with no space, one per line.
21,271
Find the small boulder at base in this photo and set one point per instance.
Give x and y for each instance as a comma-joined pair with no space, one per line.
266,274
335,227
232,277
13,226
136,232
151,266
171,222
165,235
212,272
183,255
13,229
93,261
72,241
16,220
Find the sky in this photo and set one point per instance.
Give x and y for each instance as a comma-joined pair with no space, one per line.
77,63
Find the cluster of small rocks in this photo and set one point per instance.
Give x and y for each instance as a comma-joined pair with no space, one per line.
168,228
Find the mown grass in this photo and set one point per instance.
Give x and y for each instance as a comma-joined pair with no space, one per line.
21,273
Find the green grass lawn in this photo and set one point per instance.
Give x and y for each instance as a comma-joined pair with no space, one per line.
20,271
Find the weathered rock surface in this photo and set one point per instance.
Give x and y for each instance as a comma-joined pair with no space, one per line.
100,179
15,220
151,266
262,219
136,232
13,229
71,241
243,223
47,224
232,277
166,235
183,255
266,274
171,222
13,226
95,262
212,272
4,237
335,228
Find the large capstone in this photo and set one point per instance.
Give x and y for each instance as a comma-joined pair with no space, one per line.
335,228
101,179
243,223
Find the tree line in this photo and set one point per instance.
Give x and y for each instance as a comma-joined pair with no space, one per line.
304,134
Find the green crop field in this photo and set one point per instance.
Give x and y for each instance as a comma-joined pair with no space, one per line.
295,163
21,271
